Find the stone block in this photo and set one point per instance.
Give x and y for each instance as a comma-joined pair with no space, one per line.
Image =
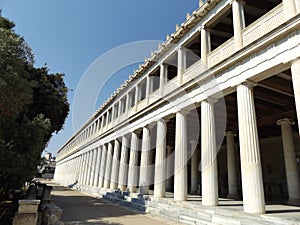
25,218
28,206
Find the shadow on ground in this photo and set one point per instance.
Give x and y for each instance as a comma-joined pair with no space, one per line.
82,209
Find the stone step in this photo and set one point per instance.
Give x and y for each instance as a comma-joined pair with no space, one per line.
126,200
193,214
278,220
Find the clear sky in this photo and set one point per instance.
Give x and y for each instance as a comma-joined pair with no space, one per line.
69,35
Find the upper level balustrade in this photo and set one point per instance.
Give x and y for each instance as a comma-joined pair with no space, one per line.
258,18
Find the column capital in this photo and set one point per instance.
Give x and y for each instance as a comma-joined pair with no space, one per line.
210,100
285,121
296,61
182,48
239,1
248,83
230,133
183,111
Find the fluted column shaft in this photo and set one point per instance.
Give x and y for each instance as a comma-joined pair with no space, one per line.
209,165
238,22
252,179
162,78
170,169
195,160
81,169
297,2
205,45
123,171
86,165
115,166
180,170
97,167
77,164
181,64
93,167
231,166
102,168
108,166
90,167
145,162
296,86
291,168
133,163
160,162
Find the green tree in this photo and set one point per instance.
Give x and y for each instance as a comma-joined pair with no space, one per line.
33,105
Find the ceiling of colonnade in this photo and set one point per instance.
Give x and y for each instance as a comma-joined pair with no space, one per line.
274,100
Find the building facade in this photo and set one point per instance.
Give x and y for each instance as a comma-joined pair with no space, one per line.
214,112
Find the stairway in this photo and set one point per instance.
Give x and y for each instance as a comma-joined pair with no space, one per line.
134,201
188,213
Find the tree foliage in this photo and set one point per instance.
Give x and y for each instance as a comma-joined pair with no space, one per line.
33,105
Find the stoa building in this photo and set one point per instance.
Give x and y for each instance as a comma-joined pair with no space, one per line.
214,112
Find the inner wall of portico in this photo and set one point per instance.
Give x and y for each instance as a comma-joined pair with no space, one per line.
273,168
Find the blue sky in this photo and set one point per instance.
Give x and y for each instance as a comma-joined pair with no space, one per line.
69,35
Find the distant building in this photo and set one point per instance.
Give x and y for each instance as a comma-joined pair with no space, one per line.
46,168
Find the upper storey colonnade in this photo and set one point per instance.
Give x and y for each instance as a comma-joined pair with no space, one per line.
173,105
220,33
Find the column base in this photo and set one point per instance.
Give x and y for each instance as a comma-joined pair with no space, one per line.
293,201
122,188
132,189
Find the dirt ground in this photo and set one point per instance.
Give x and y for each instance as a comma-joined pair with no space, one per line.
81,209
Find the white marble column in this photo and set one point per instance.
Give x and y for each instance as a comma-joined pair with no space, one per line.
181,64
86,168
123,171
160,160
148,88
102,167
170,169
133,163
289,8
238,22
252,179
115,166
180,170
90,167
231,166
195,160
81,169
209,164
108,166
145,162
97,168
78,163
162,78
296,86
82,172
205,45
297,3
93,166
291,168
